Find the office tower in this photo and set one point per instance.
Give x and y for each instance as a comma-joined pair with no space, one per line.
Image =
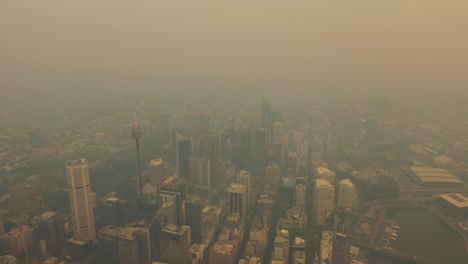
78,248
25,198
192,126
210,148
226,148
51,233
346,191
291,163
157,172
278,135
300,196
128,191
142,236
265,112
137,133
273,177
173,197
281,246
18,240
80,198
302,159
243,178
193,216
183,157
166,214
200,176
324,194
115,211
117,246
175,242
260,146
238,200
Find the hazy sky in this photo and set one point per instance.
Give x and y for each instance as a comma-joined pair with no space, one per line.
113,44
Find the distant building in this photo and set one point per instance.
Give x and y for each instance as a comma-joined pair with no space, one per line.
346,190
25,199
273,177
183,157
243,178
200,176
210,149
324,193
80,198
157,172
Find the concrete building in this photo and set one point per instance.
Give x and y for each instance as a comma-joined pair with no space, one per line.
157,172
193,216
346,190
16,241
200,176
173,197
300,196
281,247
183,156
210,149
80,198
273,177
243,178
51,233
117,246
238,200
324,194
175,242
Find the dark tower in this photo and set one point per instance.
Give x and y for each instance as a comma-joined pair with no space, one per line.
137,133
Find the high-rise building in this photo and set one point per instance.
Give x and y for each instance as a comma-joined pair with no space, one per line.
193,216
51,233
157,172
324,194
260,146
243,178
80,198
210,148
142,235
326,174
273,177
300,196
281,247
173,197
115,211
175,242
200,173
79,248
16,241
346,191
238,200
117,246
183,157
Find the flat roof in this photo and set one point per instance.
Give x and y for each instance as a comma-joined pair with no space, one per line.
429,174
457,199
323,183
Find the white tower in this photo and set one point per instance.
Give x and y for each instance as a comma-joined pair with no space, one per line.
346,191
324,194
80,198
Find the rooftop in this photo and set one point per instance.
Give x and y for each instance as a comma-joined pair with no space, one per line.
78,162
346,182
457,199
236,187
429,174
177,230
322,183
324,172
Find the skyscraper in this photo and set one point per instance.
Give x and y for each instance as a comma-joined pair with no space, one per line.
346,191
300,196
80,198
273,177
193,216
210,148
51,233
157,172
183,156
243,178
324,194
117,246
238,200
175,242
174,197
